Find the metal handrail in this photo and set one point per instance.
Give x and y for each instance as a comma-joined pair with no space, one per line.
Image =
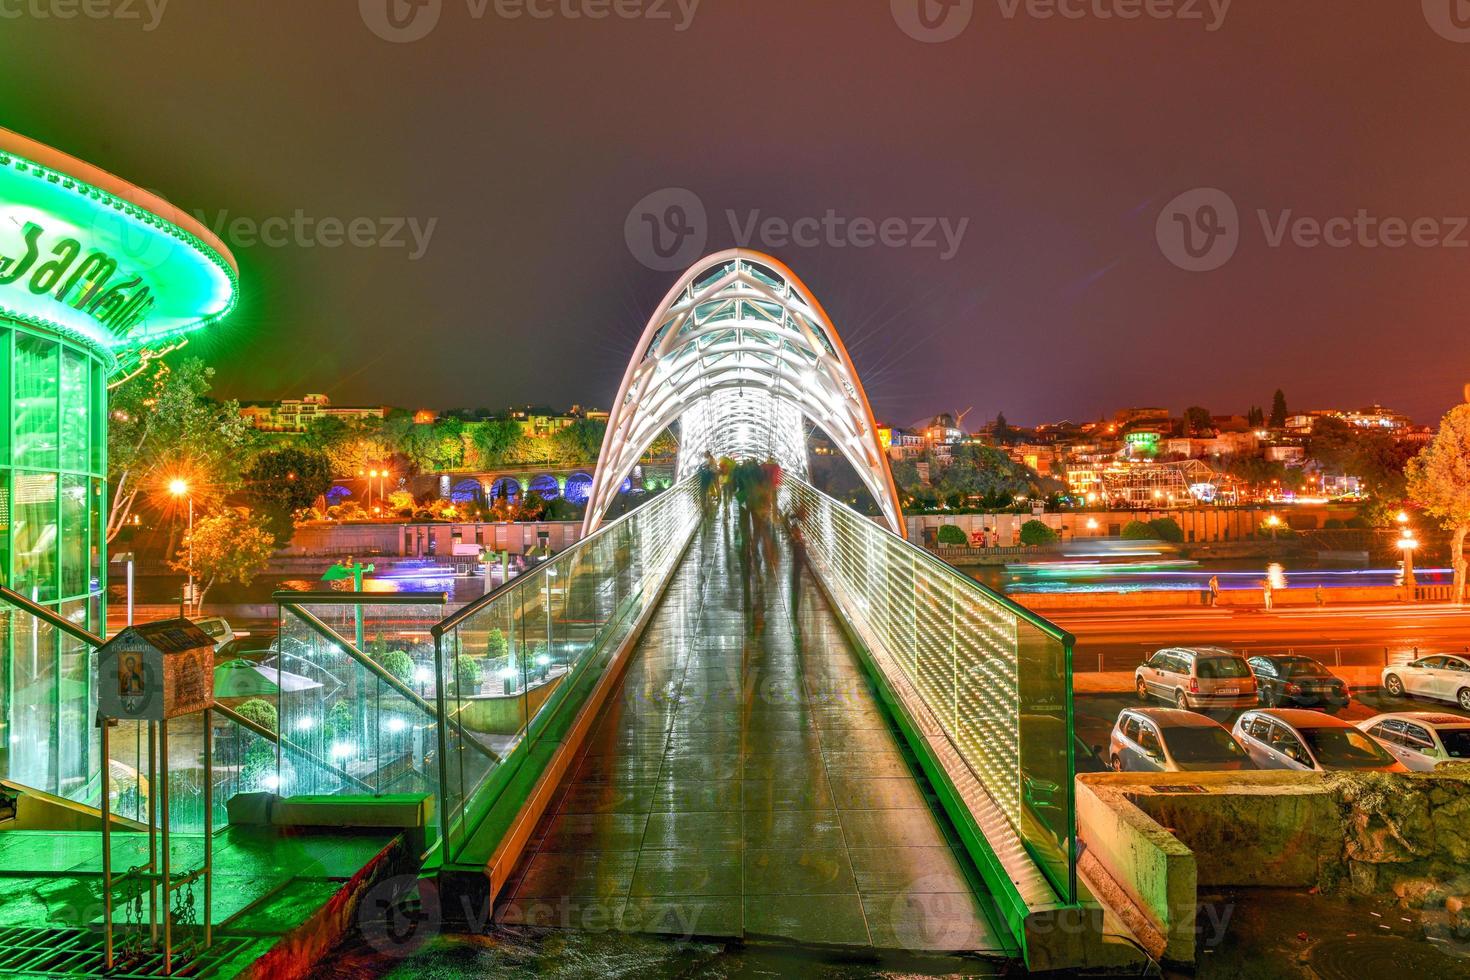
91,639
265,733
1010,605
336,598
469,609
49,616
376,669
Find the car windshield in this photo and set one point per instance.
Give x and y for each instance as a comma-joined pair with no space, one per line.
1456,742
1203,745
1303,668
1223,667
1344,747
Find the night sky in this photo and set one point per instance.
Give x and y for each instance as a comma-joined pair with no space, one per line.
1060,141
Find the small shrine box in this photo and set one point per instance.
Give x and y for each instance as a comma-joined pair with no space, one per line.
155,671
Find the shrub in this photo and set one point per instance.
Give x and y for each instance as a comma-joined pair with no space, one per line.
260,711
1138,531
1035,532
258,764
399,664
339,721
469,673
1334,524
1167,529
951,534
496,644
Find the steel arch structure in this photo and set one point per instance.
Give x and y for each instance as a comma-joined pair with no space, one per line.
743,357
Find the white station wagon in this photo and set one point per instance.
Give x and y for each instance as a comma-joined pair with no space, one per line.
1443,676
1421,740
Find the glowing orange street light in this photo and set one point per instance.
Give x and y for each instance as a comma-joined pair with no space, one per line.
179,487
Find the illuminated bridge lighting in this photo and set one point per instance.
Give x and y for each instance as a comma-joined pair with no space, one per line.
742,356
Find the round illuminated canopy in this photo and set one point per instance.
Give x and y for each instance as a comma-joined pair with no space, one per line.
100,260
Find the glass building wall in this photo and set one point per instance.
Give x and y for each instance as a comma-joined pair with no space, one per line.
53,426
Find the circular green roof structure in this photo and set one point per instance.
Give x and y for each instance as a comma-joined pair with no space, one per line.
101,261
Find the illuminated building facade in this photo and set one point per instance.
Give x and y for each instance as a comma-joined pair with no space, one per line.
96,278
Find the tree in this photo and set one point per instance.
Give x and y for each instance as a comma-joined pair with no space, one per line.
1167,529
1138,531
496,440
496,644
1035,532
230,545
578,443
164,426
469,674
1439,482
905,475
1001,431
282,482
1256,417
1197,420
260,711
952,534
1278,410
399,664
351,445
1373,456
985,472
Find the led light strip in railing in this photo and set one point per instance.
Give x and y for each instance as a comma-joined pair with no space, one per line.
956,646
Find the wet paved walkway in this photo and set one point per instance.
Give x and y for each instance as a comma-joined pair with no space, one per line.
743,783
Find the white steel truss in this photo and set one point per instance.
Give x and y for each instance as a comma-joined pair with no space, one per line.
743,357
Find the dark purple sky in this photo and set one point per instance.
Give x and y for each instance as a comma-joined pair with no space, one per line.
1060,141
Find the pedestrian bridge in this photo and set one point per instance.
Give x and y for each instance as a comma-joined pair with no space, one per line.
841,740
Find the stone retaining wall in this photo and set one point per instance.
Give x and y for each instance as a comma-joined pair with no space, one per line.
1363,833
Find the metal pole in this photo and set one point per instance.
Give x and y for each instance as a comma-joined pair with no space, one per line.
191,550
107,840
152,834
168,938
208,826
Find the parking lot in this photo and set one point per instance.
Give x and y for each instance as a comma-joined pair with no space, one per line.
1097,712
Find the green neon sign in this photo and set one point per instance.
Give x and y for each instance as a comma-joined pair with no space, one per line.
88,264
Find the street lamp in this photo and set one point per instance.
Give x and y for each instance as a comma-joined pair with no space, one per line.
178,487
1273,522
1407,544
355,571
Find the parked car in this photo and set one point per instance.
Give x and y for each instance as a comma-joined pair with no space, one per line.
256,646
1294,738
1171,740
1443,676
1290,681
1197,677
218,629
1421,740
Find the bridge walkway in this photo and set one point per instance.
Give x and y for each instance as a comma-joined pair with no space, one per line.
742,782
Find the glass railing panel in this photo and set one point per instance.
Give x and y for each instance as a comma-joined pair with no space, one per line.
561,622
354,721
995,677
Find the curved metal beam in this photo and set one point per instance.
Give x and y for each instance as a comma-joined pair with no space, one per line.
743,356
